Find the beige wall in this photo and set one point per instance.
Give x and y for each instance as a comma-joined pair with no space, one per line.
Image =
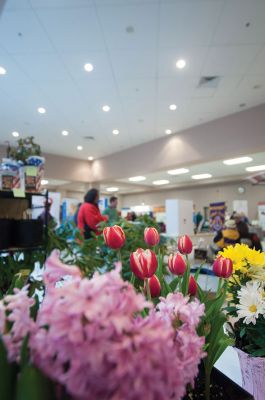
202,196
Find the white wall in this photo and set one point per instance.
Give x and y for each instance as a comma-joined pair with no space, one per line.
202,196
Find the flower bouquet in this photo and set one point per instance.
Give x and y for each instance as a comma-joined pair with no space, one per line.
246,308
97,339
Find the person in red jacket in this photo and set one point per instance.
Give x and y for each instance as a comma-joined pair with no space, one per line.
89,215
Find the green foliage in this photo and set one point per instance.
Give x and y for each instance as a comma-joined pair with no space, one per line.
25,148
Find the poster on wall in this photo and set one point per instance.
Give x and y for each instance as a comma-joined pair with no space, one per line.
38,206
69,207
240,206
217,215
261,212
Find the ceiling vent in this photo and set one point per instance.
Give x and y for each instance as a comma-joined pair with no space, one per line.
209,82
88,137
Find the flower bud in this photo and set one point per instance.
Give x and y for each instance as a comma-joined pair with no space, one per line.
192,290
151,236
114,236
143,263
176,264
155,286
223,267
185,244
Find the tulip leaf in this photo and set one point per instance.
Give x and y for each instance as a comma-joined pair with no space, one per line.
174,283
8,372
33,385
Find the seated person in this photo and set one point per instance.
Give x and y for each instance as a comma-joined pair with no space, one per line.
229,235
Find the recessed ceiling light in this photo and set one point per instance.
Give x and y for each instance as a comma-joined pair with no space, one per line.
90,158
112,189
256,168
172,107
41,110
178,171
2,71
65,133
106,108
44,182
79,148
161,182
201,176
115,132
88,67
168,131
180,64
239,160
15,134
137,178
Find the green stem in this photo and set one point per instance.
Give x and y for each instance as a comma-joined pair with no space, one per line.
207,385
148,290
132,281
119,255
186,278
220,284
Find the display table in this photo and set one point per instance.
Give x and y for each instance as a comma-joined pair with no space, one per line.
229,365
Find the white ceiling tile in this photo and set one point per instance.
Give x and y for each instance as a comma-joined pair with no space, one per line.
21,32
60,3
188,23
142,18
133,64
258,64
137,87
176,88
229,60
17,4
72,29
236,14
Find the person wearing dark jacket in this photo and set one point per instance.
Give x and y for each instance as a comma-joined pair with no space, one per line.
89,215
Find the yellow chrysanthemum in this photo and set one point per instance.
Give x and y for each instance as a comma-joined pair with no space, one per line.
245,260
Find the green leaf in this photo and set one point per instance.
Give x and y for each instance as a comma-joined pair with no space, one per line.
8,372
33,385
174,283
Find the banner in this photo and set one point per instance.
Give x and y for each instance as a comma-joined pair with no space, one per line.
217,215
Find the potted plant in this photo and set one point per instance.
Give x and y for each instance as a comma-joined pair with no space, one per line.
246,309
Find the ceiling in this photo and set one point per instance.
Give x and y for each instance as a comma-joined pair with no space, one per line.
44,45
219,171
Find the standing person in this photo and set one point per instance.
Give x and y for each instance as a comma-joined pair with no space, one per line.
111,210
227,236
89,215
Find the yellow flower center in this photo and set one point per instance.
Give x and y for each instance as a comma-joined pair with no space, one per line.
252,308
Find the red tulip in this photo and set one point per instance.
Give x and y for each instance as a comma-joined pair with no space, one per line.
185,244
114,236
223,267
192,290
151,236
176,264
155,286
143,263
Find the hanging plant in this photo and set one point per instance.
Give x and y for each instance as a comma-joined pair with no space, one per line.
25,148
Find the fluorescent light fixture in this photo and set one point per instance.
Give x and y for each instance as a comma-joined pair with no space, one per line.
112,189
256,168
168,131
180,64
239,160
115,132
137,178
161,182
65,133
15,134
79,148
106,108
44,182
88,67
90,158
201,176
2,71
178,171
41,110
173,107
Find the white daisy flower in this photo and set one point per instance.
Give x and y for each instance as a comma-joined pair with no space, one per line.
251,302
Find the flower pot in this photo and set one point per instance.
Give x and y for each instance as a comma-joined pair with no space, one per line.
222,388
6,231
253,374
28,233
